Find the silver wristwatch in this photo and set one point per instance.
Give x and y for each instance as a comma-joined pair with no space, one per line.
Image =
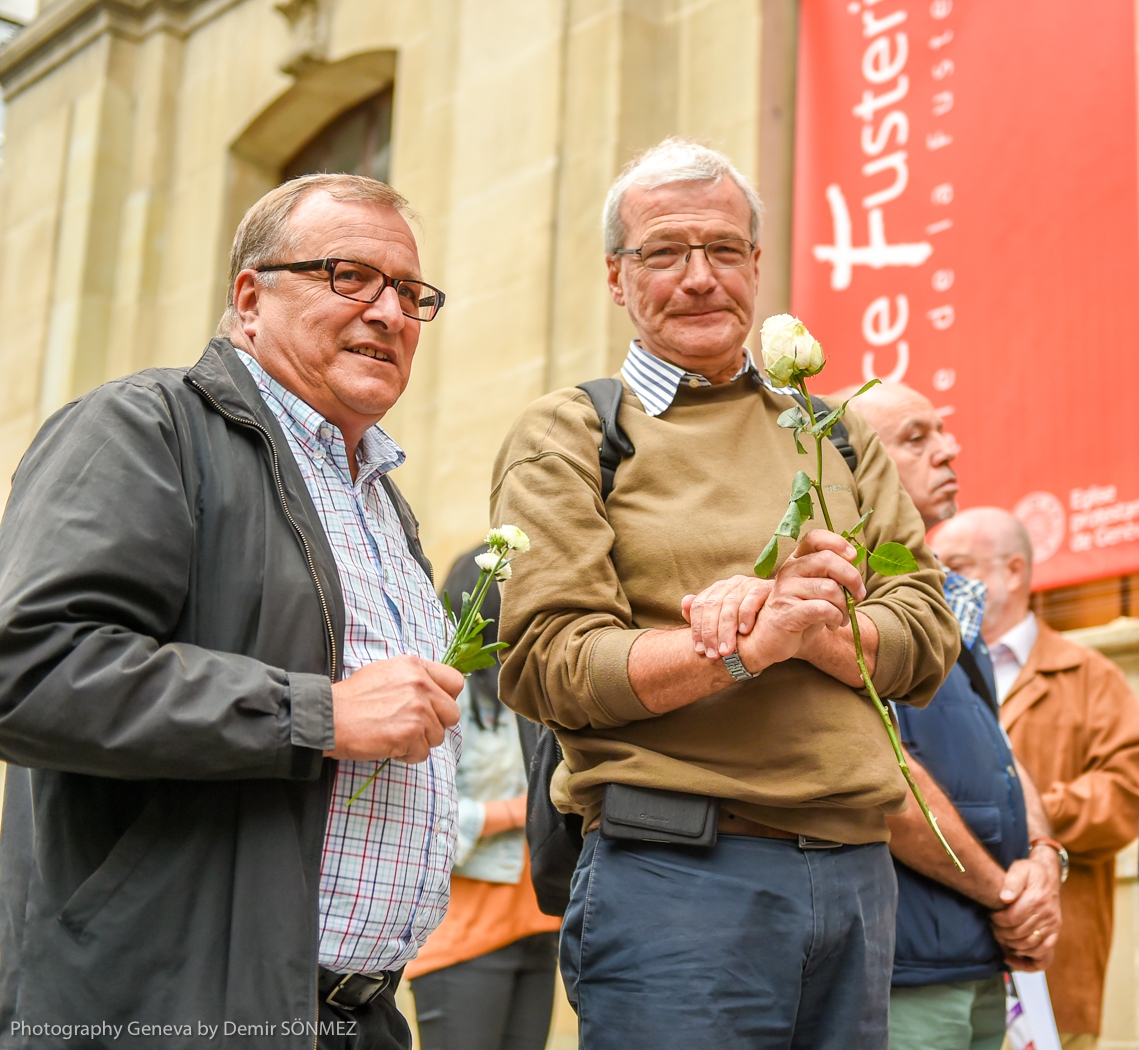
1060,852
735,667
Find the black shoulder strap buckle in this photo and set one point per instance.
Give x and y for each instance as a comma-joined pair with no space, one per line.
615,444
840,436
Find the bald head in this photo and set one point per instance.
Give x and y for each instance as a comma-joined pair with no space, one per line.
991,545
912,433
883,402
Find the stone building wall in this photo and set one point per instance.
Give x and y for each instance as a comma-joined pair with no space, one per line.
140,130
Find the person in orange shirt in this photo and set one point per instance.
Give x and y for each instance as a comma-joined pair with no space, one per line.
485,978
1074,723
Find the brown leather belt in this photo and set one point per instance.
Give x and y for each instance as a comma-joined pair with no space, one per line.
730,824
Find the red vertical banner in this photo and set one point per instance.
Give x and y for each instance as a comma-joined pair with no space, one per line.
967,222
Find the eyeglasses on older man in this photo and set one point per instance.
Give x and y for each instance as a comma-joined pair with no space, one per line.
727,254
365,284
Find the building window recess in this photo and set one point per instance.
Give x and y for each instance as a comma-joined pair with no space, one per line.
1088,604
357,142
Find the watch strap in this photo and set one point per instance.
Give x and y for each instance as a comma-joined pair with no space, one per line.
735,667
1060,852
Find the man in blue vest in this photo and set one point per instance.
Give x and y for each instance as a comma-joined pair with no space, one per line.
958,931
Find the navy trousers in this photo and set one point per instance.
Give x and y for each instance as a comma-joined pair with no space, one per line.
754,944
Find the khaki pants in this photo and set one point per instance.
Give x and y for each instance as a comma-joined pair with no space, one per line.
964,1015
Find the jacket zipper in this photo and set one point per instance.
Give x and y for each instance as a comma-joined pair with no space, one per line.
288,514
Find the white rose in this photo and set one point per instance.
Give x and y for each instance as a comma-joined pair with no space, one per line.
515,538
789,351
487,561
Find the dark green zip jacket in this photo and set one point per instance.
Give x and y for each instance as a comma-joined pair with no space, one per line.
170,624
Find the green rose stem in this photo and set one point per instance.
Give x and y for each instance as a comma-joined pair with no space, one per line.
883,711
467,629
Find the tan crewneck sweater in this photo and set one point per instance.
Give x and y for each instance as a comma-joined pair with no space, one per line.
794,748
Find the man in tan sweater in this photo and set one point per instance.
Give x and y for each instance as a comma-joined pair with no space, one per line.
780,934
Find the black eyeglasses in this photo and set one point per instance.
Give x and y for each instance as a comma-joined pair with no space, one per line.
728,254
365,284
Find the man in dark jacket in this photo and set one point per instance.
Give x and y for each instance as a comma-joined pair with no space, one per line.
957,931
210,591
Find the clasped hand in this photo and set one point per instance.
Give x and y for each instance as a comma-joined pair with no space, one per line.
399,709
1028,925
774,620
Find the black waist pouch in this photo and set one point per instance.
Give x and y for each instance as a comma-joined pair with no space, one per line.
640,814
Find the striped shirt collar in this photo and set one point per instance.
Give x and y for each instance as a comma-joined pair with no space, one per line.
656,382
376,454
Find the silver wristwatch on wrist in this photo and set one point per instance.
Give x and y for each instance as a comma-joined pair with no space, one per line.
735,667
1060,852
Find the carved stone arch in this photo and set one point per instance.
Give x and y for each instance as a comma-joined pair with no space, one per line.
320,92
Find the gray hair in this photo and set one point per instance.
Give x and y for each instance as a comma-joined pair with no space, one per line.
265,235
673,160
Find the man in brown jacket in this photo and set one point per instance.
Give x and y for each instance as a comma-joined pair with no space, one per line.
780,933
1074,723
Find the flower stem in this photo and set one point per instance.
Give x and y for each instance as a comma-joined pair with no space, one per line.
463,626
883,711
367,783
817,484
899,754
462,631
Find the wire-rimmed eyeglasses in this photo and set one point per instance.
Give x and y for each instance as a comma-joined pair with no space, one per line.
727,254
365,284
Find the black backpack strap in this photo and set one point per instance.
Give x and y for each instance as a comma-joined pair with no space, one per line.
528,737
615,444
840,436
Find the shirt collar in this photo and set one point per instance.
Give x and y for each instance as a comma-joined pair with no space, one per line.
1020,640
376,454
656,381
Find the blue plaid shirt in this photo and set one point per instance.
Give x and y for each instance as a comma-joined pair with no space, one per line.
385,876
966,600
